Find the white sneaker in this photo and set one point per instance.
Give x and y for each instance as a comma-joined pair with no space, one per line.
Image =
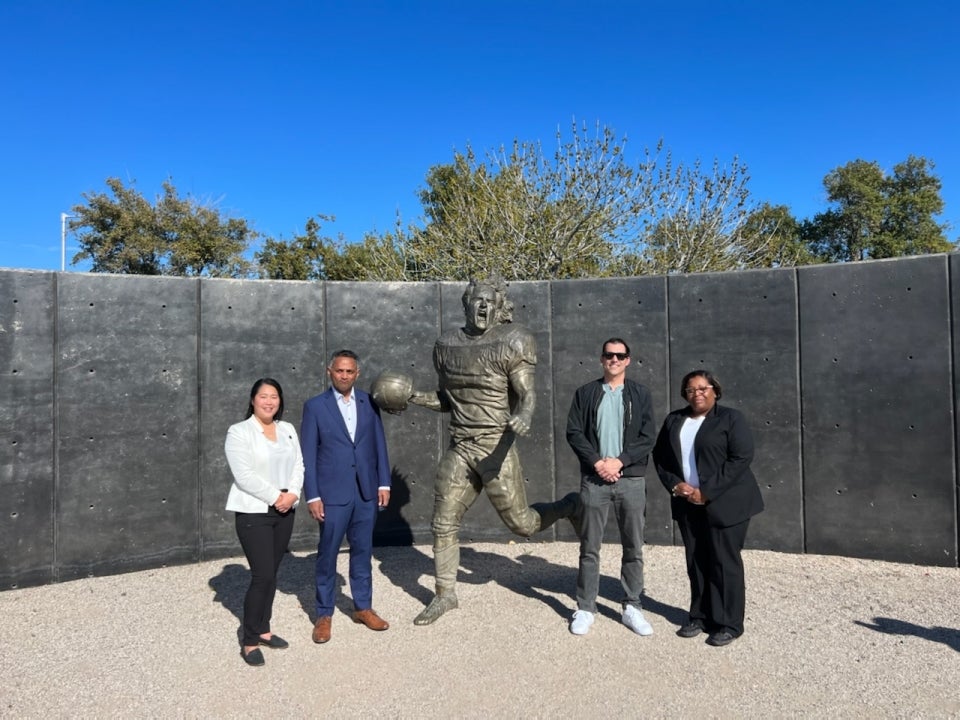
582,620
633,618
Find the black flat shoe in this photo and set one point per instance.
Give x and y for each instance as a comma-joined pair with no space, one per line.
719,639
254,657
691,629
276,642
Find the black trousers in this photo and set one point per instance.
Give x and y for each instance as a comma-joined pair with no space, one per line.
264,538
715,569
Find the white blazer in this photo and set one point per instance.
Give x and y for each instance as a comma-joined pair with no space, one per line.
248,454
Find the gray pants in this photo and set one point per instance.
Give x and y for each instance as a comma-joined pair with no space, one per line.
628,498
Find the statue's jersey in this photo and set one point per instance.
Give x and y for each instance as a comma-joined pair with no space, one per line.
475,373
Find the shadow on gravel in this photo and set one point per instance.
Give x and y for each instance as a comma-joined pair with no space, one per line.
296,577
948,636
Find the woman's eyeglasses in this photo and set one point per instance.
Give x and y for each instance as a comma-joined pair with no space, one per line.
698,390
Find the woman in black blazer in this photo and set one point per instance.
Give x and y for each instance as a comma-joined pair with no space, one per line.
702,456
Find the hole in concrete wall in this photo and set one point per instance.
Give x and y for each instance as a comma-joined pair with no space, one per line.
91,371
164,306
15,371
91,507
13,514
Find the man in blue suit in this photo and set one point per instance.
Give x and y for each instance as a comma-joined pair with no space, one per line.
346,478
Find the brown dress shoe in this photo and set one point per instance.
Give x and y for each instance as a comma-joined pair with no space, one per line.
370,619
321,629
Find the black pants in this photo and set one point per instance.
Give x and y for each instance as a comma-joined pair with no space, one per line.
264,538
715,568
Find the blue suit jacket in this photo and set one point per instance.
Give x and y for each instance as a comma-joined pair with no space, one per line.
332,463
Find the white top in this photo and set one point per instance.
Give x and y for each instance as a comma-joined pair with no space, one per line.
261,467
688,433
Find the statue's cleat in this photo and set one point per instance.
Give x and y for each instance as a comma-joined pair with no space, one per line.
437,607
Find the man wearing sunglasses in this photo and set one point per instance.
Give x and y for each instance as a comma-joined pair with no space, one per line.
611,429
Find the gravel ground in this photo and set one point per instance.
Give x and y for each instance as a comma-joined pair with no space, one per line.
826,637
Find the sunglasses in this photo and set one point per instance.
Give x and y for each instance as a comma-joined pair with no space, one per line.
618,356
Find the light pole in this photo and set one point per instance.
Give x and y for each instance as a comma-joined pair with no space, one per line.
63,240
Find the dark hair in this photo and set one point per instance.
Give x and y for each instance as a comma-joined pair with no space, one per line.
344,353
256,388
615,341
706,375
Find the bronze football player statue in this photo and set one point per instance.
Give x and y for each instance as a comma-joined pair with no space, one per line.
486,383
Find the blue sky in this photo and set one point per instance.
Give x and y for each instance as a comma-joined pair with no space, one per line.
279,111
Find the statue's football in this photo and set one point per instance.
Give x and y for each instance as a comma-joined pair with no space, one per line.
391,391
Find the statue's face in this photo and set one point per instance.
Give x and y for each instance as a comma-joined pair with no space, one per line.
482,309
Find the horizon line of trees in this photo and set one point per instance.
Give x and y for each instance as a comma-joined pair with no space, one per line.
580,210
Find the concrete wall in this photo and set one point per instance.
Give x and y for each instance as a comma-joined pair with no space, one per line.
118,391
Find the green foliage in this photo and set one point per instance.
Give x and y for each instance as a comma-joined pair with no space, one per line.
125,233
302,258
878,215
312,256
527,215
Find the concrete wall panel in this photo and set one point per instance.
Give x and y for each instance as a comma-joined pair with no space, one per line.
585,314
27,315
746,334
877,407
251,330
954,274
127,493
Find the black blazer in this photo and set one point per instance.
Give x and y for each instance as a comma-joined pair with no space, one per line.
723,450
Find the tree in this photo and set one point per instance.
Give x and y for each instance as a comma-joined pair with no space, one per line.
174,236
302,258
877,215
774,233
588,212
528,216
314,257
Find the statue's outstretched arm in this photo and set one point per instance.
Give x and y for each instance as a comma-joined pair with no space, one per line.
431,399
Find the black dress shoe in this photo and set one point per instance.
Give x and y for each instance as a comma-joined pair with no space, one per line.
691,629
276,642
254,657
719,639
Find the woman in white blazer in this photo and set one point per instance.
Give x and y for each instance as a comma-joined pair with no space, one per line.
264,456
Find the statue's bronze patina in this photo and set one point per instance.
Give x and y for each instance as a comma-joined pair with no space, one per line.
486,383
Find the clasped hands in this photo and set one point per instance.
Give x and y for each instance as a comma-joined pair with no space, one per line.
608,469
693,495
286,501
